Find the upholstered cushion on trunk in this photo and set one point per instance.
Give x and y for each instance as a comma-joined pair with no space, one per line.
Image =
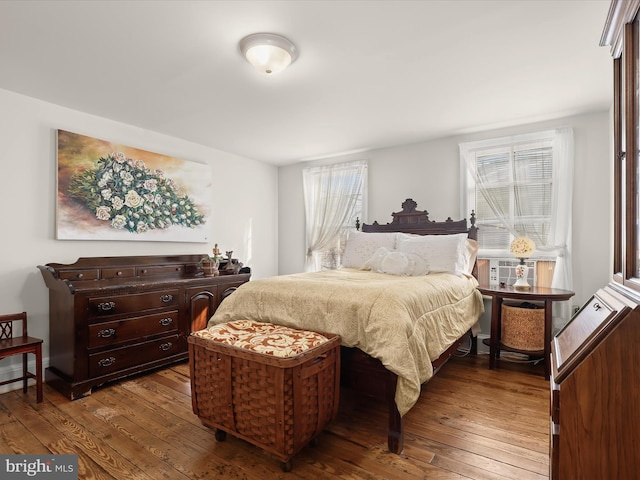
265,338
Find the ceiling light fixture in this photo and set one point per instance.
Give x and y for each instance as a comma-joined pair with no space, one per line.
268,52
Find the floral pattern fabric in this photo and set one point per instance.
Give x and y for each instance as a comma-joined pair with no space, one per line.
265,338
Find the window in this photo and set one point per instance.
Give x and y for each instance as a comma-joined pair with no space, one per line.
622,33
509,185
523,185
334,196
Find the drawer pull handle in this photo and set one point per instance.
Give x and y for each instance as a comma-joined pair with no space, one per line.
106,306
597,306
166,321
119,274
166,298
80,276
166,346
107,362
107,332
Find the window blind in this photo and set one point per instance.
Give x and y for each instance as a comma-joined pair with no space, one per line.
512,193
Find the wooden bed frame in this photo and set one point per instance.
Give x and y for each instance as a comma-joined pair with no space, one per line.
366,374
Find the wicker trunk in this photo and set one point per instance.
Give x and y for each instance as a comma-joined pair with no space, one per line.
277,404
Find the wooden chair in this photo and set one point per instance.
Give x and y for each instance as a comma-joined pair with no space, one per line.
24,344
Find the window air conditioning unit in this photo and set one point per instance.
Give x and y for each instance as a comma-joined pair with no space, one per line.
503,270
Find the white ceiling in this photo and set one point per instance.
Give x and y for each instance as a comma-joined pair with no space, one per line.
371,73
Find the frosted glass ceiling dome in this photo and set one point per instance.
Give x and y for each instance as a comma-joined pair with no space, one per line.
267,52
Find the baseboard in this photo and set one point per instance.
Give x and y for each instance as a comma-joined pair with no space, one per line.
14,370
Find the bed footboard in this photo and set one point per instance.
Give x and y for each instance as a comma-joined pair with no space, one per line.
366,375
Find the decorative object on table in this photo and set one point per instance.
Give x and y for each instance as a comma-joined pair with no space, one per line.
229,255
522,248
233,265
211,264
108,191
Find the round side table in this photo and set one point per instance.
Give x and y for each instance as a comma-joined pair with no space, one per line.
536,294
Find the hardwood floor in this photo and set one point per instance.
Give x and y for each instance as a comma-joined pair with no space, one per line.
470,422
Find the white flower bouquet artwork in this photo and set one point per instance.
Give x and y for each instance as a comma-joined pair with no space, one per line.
113,192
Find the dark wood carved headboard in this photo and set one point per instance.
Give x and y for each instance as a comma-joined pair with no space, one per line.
379,380
410,220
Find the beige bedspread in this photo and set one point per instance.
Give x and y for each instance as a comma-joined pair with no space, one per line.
405,322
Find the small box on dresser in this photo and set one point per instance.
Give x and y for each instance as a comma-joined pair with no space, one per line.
110,317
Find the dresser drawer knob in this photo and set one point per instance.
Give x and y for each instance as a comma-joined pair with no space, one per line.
106,306
597,306
166,346
107,362
165,322
80,276
107,332
166,298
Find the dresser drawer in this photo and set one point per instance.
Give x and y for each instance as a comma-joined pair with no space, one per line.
118,304
85,274
167,270
122,358
108,273
118,331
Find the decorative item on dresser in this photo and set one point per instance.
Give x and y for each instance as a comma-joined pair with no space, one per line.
110,317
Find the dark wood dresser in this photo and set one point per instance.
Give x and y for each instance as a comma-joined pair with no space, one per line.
110,317
595,390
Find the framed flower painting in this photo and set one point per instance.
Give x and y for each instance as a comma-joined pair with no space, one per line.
113,192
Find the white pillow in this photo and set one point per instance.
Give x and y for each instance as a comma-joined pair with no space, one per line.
396,263
470,254
443,253
374,262
418,265
361,246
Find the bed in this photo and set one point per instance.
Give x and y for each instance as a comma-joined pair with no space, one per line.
394,336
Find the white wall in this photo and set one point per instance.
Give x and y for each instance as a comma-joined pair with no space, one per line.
244,204
429,173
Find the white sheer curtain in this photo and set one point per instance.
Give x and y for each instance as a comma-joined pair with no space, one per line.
560,238
330,194
555,242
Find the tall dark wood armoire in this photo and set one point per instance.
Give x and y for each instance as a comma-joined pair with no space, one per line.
595,358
